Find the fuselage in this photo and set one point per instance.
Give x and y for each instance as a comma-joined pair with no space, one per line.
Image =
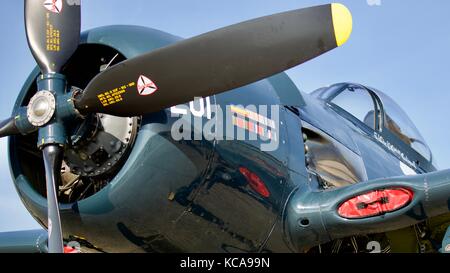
192,183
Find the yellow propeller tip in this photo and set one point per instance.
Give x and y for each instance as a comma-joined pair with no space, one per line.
342,23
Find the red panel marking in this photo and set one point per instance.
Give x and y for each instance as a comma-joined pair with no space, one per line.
255,182
375,203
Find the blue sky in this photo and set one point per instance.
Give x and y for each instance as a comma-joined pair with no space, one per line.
399,47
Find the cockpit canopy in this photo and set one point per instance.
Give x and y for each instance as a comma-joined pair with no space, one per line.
377,111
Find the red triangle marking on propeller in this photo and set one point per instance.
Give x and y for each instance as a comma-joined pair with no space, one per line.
54,6
146,86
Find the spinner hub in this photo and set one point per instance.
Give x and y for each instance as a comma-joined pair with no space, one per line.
41,108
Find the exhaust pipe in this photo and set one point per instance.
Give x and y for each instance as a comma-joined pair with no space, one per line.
317,217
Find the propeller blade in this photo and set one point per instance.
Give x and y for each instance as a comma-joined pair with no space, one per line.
217,61
8,128
53,31
52,160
